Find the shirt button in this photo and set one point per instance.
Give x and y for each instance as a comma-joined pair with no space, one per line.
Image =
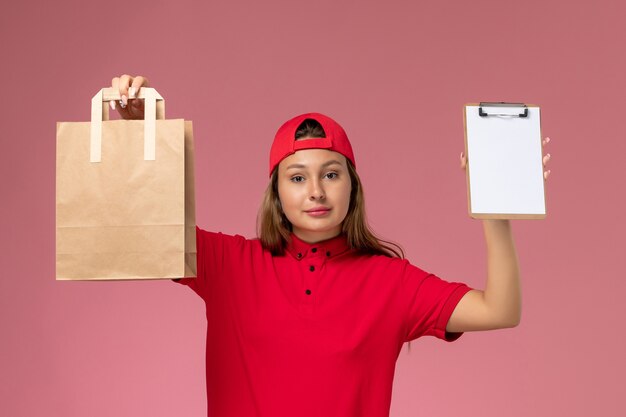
314,250
299,255
311,268
308,292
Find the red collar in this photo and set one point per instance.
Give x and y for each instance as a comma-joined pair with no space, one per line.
328,248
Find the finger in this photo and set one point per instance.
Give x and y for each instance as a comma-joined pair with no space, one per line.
546,174
136,85
546,159
133,93
124,84
115,84
463,160
545,141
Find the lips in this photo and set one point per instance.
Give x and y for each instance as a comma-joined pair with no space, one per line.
318,211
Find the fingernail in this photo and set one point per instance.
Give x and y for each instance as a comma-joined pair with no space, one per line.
112,104
124,100
131,92
547,140
548,155
122,105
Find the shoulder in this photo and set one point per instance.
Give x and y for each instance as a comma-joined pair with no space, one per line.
389,266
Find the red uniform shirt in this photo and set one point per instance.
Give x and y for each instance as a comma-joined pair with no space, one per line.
315,332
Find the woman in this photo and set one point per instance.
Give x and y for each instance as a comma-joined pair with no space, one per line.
309,319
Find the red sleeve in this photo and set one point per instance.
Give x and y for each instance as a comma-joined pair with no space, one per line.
210,260
431,303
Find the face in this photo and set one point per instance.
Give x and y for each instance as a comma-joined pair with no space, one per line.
314,190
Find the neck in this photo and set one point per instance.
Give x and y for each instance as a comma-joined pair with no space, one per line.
315,237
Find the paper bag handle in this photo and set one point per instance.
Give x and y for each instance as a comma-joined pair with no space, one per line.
154,108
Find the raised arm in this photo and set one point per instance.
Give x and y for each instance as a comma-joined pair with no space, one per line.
499,305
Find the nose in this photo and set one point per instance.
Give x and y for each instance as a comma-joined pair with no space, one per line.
316,191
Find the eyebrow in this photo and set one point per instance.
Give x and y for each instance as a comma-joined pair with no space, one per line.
324,165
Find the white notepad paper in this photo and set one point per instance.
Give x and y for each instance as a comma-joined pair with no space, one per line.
505,169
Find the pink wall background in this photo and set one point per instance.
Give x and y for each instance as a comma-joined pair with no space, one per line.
396,75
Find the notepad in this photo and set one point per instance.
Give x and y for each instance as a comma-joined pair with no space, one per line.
504,161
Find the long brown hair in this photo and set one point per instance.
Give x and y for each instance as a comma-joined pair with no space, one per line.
274,229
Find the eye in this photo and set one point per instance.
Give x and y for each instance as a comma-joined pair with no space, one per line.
331,175
297,178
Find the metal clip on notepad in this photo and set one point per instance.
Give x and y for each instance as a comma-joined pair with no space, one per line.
501,105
